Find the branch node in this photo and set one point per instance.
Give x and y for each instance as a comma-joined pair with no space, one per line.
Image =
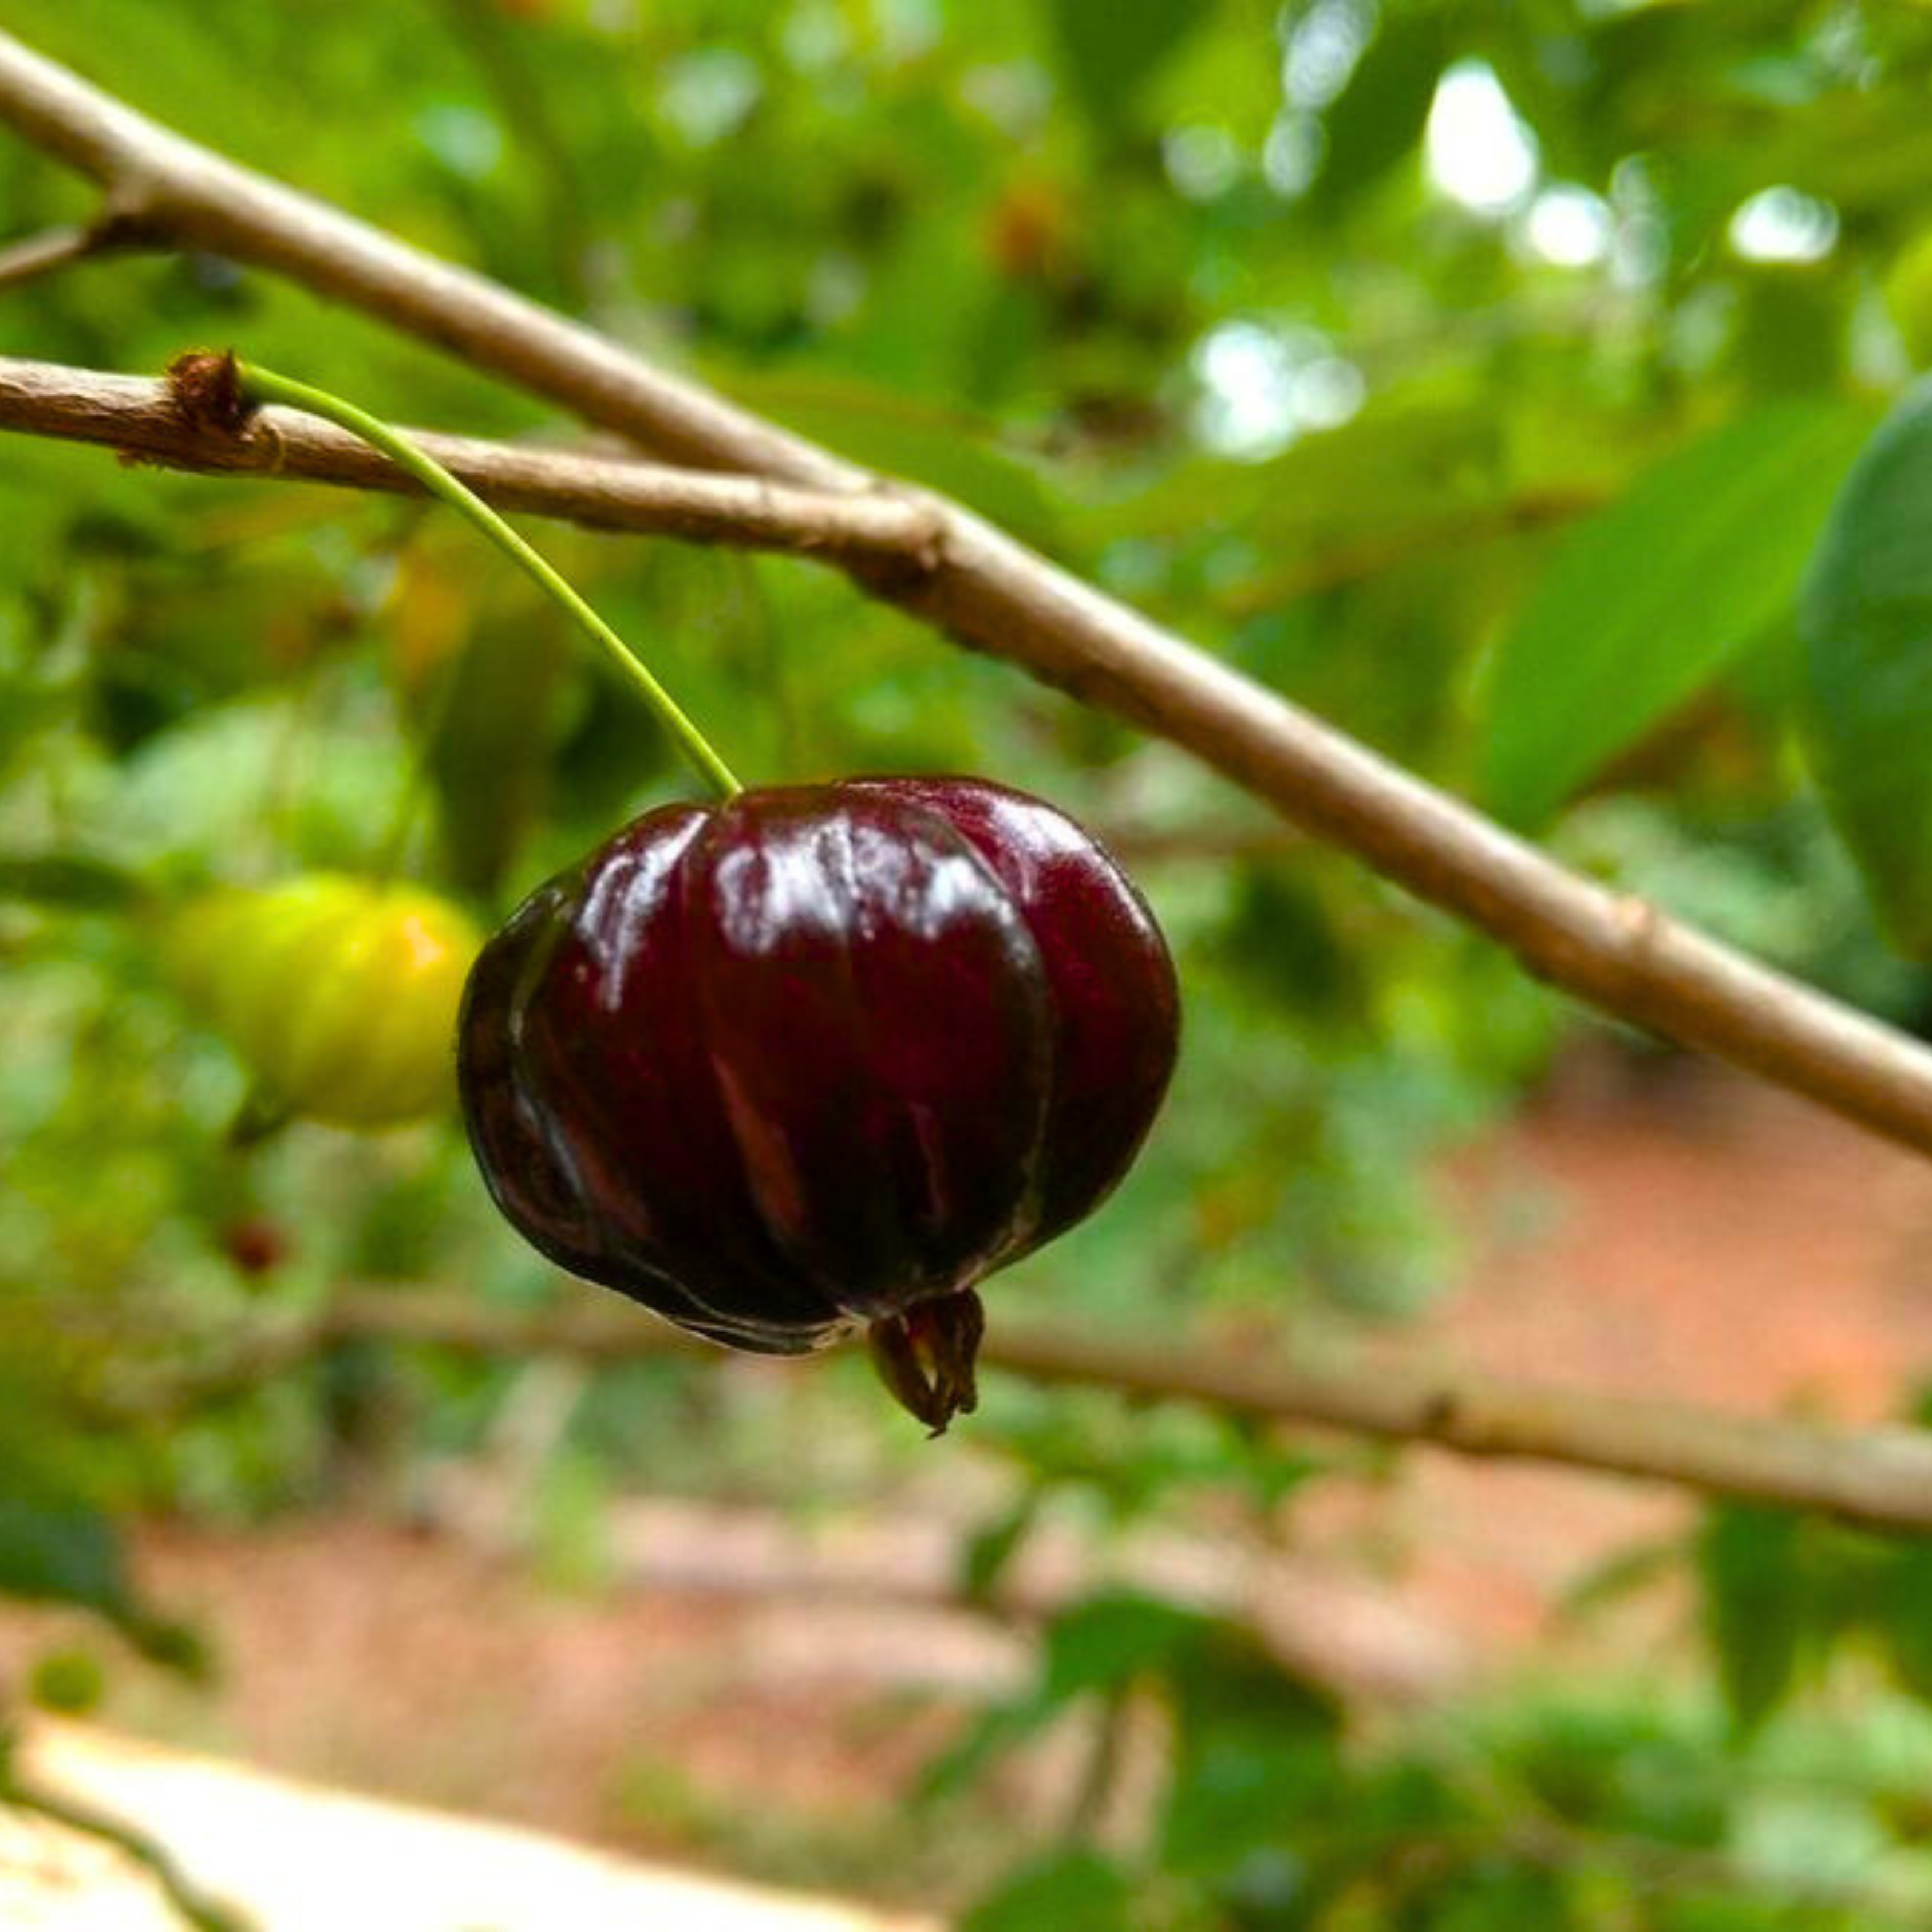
929,544
898,576
204,387
926,553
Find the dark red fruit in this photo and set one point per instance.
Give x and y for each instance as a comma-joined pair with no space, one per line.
820,1056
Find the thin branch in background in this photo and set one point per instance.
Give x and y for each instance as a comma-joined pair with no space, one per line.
39,254
1335,566
1880,1478
195,1906
992,594
55,248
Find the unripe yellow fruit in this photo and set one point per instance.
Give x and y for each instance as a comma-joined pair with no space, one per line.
340,994
1908,297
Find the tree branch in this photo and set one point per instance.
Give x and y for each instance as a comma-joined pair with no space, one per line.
992,594
137,416
119,227
41,254
1878,1477
203,201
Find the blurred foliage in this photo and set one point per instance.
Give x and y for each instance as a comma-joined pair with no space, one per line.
1480,375
1623,1806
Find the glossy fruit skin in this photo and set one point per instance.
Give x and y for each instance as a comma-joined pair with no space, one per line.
820,1056
339,993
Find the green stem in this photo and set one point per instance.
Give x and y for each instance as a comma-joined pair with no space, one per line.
264,385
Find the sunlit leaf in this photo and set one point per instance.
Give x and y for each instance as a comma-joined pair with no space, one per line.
1904,1616
1643,605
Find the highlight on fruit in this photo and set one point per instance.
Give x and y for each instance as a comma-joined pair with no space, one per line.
821,1057
339,993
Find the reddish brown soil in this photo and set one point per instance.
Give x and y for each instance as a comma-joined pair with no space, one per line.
1702,1238
1699,1238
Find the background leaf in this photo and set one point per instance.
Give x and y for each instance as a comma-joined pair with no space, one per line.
63,1553
1109,1640
1379,116
1751,1568
1904,1616
72,881
989,1551
1645,602
1108,49
1866,622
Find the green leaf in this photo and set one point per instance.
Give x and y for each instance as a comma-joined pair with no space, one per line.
1866,619
1072,1891
57,1551
1110,1639
1752,1572
66,881
1240,1791
990,1550
168,1645
63,1553
1282,945
490,753
1625,1573
1108,49
1226,1683
1378,117
1904,1617
1643,605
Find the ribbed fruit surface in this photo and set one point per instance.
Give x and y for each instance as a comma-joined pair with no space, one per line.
820,1056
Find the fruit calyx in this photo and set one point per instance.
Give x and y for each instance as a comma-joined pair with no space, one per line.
926,1356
